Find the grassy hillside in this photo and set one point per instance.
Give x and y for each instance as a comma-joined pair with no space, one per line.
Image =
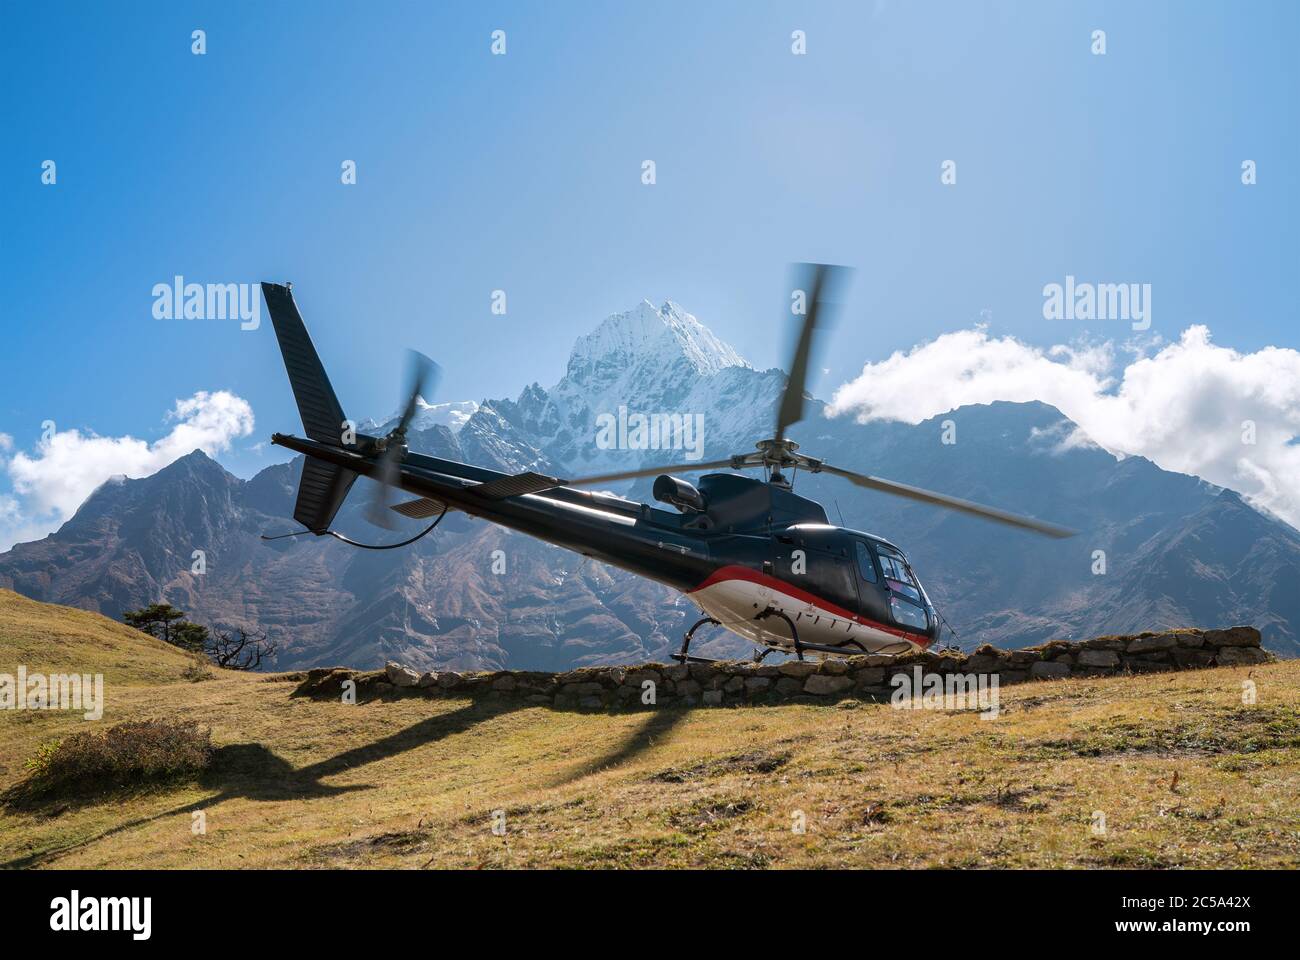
1185,774
56,639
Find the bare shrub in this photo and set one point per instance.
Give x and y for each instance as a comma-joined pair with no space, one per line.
127,754
197,671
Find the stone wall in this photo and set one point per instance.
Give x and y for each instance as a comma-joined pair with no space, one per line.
741,681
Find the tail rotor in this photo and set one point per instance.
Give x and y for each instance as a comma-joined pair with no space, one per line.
422,379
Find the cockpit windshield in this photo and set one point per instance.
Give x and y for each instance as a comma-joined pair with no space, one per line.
898,576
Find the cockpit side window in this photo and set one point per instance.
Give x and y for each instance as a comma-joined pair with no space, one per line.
866,566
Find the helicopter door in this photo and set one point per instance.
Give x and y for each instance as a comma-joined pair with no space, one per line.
789,564
875,598
785,564
816,566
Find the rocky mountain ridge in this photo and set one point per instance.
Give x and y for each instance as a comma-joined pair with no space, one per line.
1157,549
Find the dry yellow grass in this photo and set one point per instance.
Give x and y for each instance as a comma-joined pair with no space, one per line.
1185,774
57,639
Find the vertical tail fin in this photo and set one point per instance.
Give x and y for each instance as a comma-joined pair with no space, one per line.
322,416
323,485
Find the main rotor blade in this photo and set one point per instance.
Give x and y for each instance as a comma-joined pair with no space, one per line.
953,503
647,472
815,287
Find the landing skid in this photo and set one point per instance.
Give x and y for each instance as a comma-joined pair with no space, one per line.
799,645
683,656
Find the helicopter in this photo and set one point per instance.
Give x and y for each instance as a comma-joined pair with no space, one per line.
755,557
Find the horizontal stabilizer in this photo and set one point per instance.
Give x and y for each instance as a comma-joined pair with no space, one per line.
420,509
516,486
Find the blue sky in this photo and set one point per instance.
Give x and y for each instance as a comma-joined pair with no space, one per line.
522,172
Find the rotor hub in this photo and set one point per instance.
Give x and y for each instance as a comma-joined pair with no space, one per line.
783,447
775,454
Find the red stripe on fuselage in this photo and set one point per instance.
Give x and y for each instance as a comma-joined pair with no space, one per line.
737,572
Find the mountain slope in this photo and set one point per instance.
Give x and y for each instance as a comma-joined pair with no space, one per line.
1176,550
48,638
437,603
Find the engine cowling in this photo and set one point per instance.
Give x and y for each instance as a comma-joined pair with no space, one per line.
679,493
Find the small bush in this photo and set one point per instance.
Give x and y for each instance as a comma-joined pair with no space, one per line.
127,754
41,760
197,671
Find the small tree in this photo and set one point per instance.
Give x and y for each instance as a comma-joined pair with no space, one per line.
191,636
232,650
158,620
239,650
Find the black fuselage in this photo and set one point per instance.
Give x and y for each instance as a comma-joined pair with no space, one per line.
783,540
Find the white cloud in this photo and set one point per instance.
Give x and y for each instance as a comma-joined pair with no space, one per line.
66,467
14,528
1183,405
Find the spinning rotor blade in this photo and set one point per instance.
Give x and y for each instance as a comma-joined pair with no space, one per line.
649,472
385,477
952,503
815,285
422,377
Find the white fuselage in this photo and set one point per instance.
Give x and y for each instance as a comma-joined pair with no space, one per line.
735,596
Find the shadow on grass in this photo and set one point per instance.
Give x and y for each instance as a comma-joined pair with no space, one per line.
657,725
251,771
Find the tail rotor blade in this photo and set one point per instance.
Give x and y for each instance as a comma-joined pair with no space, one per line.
385,477
422,379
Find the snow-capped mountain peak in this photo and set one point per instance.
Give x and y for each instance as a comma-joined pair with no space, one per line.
650,361
667,331
452,414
